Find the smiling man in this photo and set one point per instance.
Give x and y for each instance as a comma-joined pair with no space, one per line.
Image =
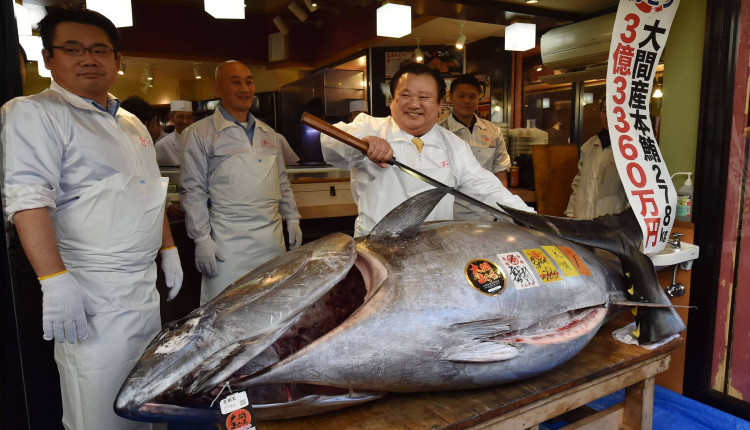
412,135
84,191
236,160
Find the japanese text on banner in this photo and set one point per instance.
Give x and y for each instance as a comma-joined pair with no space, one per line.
638,38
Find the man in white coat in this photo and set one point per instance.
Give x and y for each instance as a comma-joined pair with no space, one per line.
411,134
169,149
485,138
83,189
235,162
597,188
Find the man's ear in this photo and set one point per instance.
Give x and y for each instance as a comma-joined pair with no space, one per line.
46,55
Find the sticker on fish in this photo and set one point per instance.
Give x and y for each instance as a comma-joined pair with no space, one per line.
236,411
485,277
562,261
638,38
546,270
519,271
576,260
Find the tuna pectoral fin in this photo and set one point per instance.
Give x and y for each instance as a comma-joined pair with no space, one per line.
480,352
621,235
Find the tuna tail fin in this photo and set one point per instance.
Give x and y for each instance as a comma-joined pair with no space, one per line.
621,235
405,219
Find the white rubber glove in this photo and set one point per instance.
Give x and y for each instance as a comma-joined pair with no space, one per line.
64,309
295,234
206,254
170,265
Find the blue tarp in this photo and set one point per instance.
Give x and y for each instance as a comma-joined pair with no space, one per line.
673,412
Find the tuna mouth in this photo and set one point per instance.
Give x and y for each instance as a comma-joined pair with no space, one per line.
557,328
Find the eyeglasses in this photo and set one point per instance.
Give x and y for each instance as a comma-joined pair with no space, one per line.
78,49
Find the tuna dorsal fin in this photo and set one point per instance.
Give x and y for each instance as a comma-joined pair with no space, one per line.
405,219
621,235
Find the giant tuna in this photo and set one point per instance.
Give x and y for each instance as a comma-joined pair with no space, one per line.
411,307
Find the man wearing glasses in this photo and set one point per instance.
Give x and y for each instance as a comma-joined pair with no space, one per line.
412,135
83,189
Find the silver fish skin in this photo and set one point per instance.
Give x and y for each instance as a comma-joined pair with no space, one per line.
410,321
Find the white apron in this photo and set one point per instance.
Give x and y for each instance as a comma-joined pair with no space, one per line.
465,211
244,217
108,240
392,188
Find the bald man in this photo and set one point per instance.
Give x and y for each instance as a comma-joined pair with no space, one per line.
237,161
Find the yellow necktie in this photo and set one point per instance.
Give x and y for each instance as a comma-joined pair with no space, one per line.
418,142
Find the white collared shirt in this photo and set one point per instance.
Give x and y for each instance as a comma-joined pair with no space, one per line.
56,145
486,141
208,143
442,150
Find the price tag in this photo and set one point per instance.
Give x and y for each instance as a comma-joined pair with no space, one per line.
233,402
237,412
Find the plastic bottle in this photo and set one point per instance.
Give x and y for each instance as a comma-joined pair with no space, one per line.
513,182
685,200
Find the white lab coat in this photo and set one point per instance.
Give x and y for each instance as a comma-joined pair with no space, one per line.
488,145
444,157
169,149
249,193
597,188
98,177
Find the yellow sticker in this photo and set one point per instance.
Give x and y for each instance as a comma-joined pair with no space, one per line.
562,261
543,266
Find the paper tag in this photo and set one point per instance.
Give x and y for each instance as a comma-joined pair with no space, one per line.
233,402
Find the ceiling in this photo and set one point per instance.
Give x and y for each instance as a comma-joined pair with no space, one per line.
435,22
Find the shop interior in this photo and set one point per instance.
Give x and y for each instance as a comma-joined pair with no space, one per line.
317,56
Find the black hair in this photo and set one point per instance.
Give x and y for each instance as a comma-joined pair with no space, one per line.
78,14
140,108
418,69
466,79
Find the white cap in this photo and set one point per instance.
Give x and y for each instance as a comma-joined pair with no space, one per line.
357,106
181,106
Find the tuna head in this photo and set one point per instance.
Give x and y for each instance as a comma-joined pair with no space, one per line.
185,366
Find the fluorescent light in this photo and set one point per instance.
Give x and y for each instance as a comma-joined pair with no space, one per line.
532,1
23,19
225,9
520,36
393,20
122,69
36,13
33,47
197,70
298,11
545,102
117,11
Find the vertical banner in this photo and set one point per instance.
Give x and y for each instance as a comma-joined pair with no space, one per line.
638,39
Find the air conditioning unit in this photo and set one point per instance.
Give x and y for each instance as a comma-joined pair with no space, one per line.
277,47
581,44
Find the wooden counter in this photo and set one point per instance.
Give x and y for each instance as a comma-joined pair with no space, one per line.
602,367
